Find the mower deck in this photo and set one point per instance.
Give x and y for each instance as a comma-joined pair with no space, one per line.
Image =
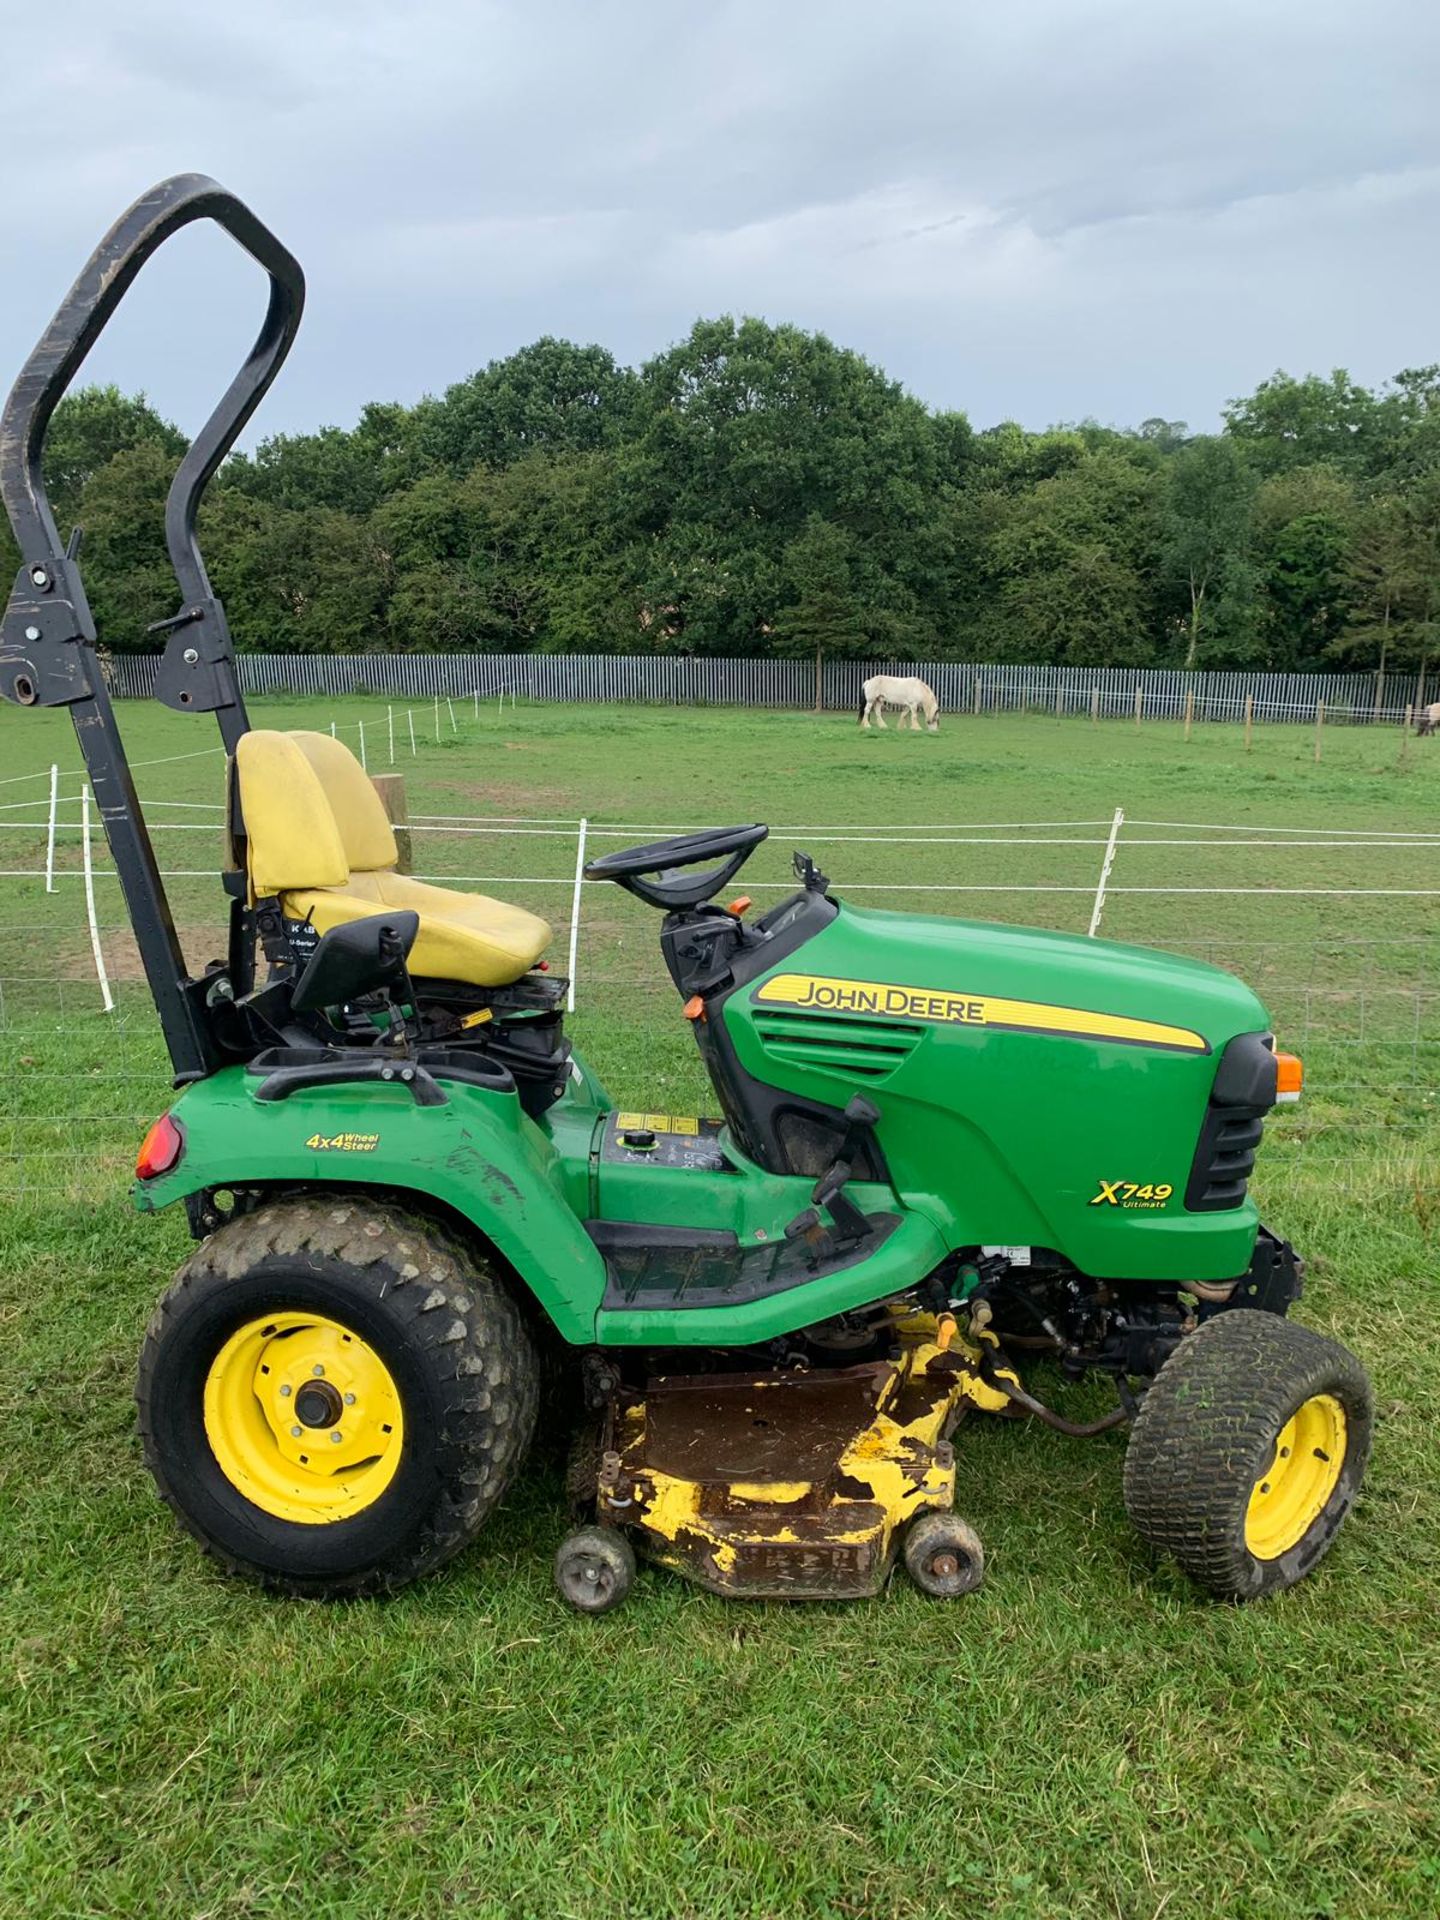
788,1485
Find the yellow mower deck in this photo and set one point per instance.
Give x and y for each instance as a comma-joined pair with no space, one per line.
791,1485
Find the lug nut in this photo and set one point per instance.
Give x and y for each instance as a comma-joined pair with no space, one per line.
294,1433
336,1437
285,1391
349,1399
319,1372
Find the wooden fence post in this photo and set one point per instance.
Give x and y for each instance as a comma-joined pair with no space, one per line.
1319,724
1139,696
1189,710
977,693
391,789
1249,719
1095,706
1405,725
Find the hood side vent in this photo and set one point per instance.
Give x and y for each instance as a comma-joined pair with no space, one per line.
870,1049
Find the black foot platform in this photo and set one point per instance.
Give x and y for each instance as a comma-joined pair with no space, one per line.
676,1267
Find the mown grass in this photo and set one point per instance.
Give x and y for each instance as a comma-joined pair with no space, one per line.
1084,1737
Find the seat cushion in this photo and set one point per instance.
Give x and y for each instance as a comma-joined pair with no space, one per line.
317,836
463,936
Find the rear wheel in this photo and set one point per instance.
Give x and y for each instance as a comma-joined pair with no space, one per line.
334,1394
1248,1452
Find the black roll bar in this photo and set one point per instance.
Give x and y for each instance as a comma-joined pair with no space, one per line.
47,638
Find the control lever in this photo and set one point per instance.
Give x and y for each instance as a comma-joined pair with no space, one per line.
809,875
849,1223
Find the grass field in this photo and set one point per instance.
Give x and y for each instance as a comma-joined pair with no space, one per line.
1084,1737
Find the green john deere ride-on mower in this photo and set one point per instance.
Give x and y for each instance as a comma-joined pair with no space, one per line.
946,1148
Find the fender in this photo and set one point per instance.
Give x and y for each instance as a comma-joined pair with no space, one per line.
478,1154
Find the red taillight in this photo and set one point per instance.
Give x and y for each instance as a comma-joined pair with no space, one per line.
160,1149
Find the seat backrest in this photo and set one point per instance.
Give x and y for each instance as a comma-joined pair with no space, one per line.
310,815
365,830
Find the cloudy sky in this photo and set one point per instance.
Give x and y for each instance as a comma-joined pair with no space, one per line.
1035,209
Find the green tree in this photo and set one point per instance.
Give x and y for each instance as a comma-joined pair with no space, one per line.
89,428
1288,423
745,432
1205,533
1069,566
1168,435
351,471
128,578
305,580
821,615
551,397
1303,521
1378,586
1421,576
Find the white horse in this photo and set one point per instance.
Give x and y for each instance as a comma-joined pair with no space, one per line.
912,696
1428,718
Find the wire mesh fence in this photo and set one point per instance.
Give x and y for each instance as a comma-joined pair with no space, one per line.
689,680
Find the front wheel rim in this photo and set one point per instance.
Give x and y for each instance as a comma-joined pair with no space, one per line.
1300,1478
303,1417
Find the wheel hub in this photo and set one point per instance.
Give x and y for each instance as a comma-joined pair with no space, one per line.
317,1404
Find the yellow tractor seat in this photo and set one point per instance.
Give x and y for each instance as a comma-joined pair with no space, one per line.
317,837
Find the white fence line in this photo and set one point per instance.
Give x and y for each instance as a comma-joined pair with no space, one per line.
1398,843
853,886
50,831
1099,906
96,949
1125,835
575,915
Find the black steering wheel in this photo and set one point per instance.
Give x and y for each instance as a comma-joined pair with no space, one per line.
655,874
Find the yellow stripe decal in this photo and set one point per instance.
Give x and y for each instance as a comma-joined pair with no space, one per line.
814,993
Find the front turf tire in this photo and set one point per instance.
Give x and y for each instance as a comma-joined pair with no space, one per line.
436,1336
1248,1452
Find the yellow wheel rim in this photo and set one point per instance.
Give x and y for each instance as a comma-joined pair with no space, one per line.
1303,1472
303,1418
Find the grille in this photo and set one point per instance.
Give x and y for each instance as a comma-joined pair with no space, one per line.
1225,1158
870,1049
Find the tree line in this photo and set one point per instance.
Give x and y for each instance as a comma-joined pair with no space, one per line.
756,489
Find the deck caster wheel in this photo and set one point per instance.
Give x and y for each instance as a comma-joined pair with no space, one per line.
943,1556
594,1569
